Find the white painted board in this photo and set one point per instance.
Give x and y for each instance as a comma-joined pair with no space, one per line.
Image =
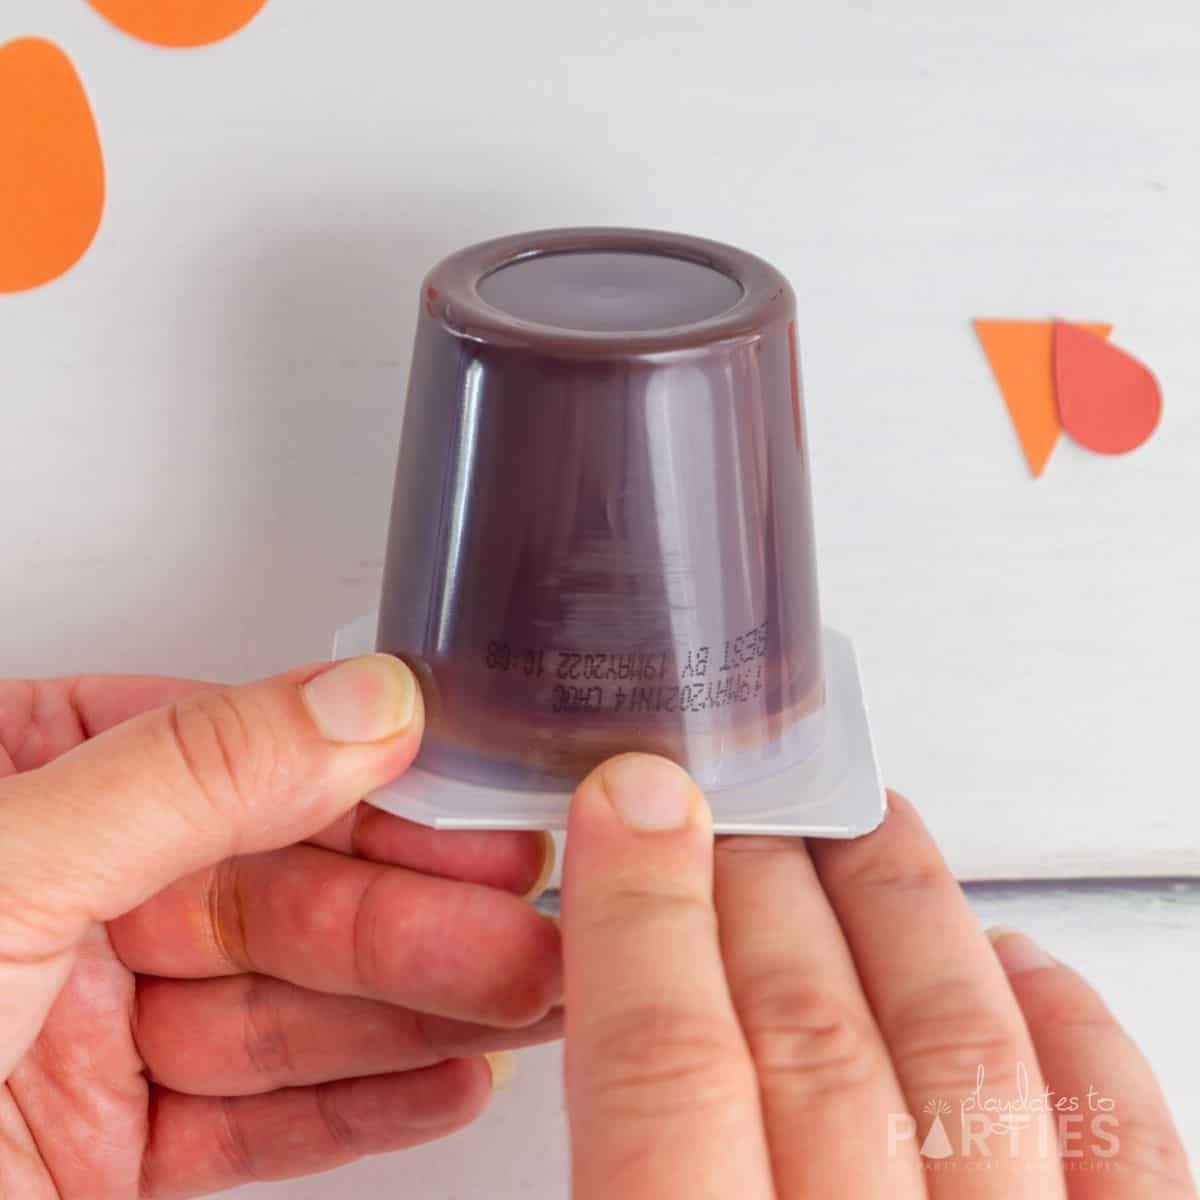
199,421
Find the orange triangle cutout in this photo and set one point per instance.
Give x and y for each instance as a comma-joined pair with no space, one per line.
1021,354
1107,400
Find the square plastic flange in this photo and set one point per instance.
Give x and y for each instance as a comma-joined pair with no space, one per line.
836,792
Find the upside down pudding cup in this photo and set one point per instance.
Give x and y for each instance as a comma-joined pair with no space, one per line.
601,540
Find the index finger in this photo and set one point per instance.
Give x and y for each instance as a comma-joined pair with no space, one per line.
661,1091
102,701
42,719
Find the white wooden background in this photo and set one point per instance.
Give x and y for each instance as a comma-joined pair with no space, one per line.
198,423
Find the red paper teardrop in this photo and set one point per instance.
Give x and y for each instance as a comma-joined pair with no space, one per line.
1107,400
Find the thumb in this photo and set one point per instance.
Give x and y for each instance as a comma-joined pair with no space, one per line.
228,771
661,1090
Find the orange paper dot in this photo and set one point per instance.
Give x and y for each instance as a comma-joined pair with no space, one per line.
51,166
1021,354
1107,400
179,23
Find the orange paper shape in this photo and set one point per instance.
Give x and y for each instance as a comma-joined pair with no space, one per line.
1021,354
179,23
51,166
1108,401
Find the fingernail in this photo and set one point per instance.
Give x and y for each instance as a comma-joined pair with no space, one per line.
1017,952
363,699
549,857
503,1066
650,794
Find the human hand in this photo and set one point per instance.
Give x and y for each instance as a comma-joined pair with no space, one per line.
215,966
762,1025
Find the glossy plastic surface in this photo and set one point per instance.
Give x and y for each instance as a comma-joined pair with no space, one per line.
600,538
834,792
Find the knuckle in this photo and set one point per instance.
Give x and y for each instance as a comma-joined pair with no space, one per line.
233,1142
33,929
735,845
18,703
227,913
38,717
227,751
801,1034
1058,1001
339,1130
1151,1153
636,910
880,870
265,1041
944,1040
657,1060
368,931
637,900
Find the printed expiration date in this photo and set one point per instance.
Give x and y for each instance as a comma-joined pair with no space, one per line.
696,680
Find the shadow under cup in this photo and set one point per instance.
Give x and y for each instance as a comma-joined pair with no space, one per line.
601,537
